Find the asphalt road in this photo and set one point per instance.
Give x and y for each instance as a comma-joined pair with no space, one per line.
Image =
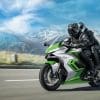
23,84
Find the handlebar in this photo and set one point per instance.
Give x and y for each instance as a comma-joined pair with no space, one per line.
69,46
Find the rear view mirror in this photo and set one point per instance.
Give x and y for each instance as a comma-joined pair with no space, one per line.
46,44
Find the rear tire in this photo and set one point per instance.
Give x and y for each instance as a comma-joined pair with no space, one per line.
43,83
94,84
96,81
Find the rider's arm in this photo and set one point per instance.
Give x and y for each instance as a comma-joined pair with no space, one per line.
67,42
87,40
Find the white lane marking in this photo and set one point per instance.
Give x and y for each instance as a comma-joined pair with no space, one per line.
23,80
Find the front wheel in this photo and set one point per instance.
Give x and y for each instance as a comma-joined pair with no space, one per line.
47,80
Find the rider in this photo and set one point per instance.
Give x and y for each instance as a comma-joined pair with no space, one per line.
82,37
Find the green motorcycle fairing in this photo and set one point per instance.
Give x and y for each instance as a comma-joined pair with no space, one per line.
53,48
72,63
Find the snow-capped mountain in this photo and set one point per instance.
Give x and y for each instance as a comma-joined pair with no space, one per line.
19,43
29,42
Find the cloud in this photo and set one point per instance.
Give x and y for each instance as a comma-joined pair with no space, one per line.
20,23
24,16
21,5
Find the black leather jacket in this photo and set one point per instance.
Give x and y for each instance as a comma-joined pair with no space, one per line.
85,41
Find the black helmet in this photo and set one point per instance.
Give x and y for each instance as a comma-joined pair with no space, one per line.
74,29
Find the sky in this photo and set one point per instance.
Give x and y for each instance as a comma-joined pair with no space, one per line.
25,16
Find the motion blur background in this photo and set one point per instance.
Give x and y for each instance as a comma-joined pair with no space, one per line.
26,24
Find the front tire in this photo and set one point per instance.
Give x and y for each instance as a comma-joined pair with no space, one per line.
44,78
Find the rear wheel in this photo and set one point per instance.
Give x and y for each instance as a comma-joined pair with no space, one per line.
96,81
49,81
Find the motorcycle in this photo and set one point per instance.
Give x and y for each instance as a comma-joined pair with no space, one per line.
64,66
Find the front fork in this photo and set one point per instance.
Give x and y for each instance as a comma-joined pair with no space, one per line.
57,70
54,65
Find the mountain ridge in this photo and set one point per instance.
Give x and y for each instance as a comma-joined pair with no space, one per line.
29,43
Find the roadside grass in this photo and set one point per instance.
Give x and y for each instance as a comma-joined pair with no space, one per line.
20,60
